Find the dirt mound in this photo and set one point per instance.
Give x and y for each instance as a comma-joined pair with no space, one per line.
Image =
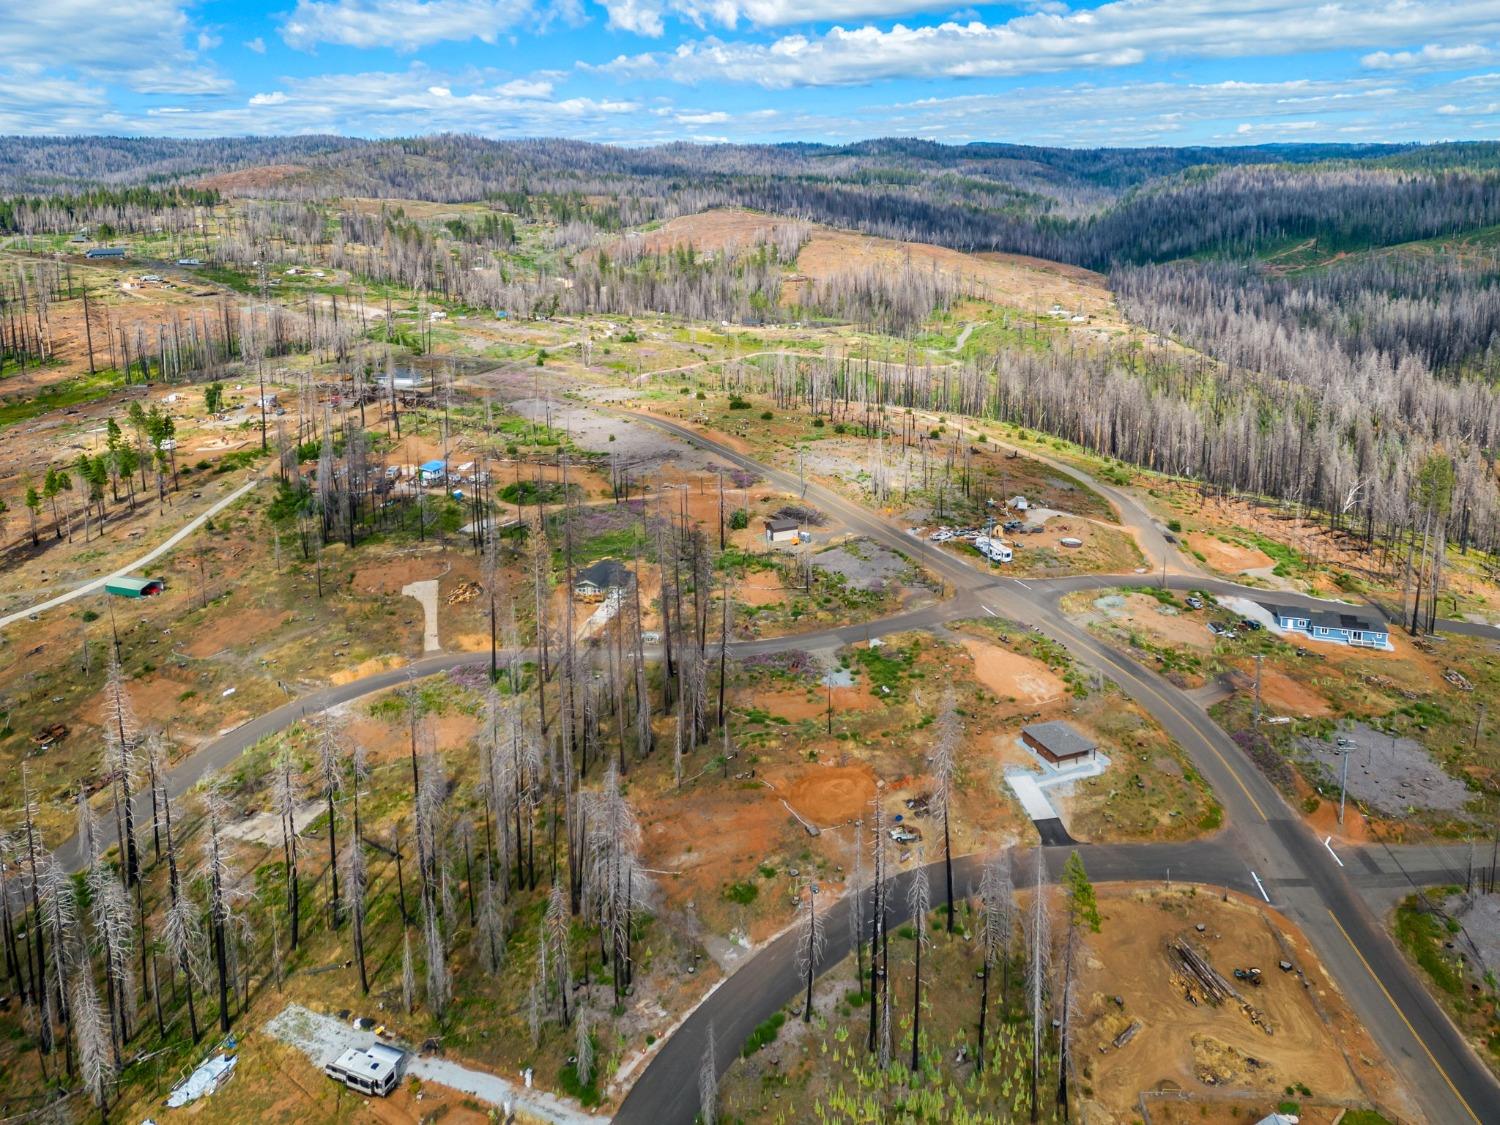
1011,675
832,794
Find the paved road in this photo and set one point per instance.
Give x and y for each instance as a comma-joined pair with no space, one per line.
222,751
1264,837
144,561
1449,1082
667,1090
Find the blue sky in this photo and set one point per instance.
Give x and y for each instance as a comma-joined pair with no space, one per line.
1122,72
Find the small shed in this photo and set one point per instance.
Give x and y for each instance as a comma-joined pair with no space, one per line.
431,470
134,587
1058,742
1019,503
782,530
607,576
105,252
375,1070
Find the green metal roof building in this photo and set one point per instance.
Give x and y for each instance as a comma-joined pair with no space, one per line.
134,587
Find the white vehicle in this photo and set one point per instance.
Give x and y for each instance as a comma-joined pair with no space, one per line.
375,1070
993,549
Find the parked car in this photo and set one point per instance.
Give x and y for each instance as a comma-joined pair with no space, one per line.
1250,625
904,835
1193,602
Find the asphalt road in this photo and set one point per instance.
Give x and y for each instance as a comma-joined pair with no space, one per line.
1265,847
1266,838
222,751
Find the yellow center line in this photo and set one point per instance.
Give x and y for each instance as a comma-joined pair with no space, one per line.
1104,655
1391,1000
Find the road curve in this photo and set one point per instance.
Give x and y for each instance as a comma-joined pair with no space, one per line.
666,1093
222,751
1445,1076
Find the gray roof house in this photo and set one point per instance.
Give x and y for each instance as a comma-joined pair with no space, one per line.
1057,741
1359,630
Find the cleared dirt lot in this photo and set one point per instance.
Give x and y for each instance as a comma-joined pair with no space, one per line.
1306,1034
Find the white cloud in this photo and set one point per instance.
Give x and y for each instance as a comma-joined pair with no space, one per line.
647,17
415,101
1432,57
258,45
524,88
1116,34
407,25
717,117
139,44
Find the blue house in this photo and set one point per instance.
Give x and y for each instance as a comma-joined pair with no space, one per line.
431,471
1331,625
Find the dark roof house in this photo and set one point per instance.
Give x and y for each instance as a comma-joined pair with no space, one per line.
1057,741
601,578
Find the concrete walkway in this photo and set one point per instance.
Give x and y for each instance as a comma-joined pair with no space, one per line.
426,592
323,1039
144,561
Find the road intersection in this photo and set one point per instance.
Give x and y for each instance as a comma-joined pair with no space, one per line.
1265,848
1263,835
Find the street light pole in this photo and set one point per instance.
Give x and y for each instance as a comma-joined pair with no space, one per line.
1343,780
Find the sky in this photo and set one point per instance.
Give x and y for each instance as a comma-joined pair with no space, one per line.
640,72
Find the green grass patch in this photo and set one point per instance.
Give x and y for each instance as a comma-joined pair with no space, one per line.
764,1035
1419,931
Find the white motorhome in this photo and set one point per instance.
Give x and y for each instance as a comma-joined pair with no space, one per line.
375,1070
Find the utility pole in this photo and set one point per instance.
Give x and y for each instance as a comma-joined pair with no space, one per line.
1344,752
1478,726
1164,571
1258,659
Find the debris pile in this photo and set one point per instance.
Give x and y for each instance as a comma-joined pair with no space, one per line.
1201,982
464,593
1457,679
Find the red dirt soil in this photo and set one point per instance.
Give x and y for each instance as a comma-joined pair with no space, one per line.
829,795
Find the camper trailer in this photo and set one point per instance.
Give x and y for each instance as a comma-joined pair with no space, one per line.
375,1070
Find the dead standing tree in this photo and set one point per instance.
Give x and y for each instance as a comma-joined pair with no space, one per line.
223,890
121,732
284,799
1038,964
919,903
810,943
949,737
997,904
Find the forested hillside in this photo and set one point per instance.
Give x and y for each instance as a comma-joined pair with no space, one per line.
1331,358
1091,207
